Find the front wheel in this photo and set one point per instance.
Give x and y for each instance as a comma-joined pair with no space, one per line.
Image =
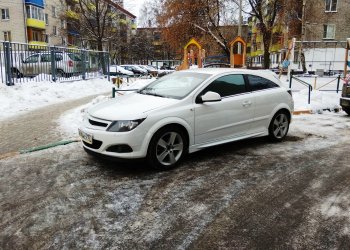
279,126
167,147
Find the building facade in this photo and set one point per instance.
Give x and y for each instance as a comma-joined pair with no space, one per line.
13,22
320,37
49,22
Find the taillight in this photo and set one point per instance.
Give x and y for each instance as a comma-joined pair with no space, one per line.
70,63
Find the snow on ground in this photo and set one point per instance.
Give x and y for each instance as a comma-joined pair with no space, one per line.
26,96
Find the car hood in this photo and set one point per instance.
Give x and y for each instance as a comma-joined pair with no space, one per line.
129,107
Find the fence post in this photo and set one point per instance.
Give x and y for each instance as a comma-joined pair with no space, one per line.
83,59
53,63
108,75
309,97
290,79
338,83
8,63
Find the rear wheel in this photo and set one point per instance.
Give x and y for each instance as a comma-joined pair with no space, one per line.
279,126
167,147
60,73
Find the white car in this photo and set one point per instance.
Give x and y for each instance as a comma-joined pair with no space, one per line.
67,64
188,111
118,70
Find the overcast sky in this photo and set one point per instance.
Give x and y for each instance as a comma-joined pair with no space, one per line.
134,6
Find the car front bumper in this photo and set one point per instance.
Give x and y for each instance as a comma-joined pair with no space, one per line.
104,140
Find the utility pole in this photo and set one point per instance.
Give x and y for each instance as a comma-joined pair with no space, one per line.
302,62
240,19
240,26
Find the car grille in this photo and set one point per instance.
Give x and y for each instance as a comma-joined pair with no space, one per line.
96,144
96,123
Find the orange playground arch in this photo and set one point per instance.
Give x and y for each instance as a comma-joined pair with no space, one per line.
187,54
237,58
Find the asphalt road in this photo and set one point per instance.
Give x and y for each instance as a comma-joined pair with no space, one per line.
244,195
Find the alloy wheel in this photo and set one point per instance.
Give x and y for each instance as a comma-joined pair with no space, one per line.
169,148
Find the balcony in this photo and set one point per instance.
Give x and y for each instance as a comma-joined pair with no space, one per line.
35,23
39,3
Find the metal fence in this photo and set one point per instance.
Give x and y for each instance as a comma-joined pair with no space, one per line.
21,62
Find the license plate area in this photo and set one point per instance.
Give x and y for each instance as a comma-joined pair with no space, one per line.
86,137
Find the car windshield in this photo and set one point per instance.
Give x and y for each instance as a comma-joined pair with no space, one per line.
74,56
176,85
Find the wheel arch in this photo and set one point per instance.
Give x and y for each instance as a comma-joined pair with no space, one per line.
281,108
170,121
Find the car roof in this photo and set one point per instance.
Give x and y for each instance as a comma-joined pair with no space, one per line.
217,71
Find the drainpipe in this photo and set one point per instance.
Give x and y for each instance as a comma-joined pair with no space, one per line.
25,21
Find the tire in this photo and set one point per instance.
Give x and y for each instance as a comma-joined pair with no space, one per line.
167,148
347,110
279,126
15,73
60,73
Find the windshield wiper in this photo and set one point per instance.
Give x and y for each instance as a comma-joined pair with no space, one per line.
149,91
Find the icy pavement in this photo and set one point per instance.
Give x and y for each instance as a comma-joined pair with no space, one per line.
248,194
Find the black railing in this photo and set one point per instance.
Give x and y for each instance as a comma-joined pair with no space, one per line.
21,62
303,83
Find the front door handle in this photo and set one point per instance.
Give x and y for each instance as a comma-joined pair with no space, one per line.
246,103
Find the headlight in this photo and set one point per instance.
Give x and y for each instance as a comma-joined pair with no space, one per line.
124,126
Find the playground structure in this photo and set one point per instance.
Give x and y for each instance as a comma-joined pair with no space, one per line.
237,46
238,52
189,57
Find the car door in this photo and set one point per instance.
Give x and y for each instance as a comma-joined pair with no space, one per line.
267,95
45,63
231,117
30,66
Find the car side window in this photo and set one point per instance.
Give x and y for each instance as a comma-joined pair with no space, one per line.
259,83
32,59
227,85
58,57
46,58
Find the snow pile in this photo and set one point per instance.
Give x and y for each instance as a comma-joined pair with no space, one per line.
26,96
320,101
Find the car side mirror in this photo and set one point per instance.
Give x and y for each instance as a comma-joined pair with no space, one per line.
210,97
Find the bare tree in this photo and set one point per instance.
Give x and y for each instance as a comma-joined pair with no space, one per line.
181,20
266,12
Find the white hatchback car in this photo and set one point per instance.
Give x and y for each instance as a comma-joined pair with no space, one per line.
187,111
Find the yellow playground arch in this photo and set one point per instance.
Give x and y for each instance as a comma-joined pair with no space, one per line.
189,55
238,50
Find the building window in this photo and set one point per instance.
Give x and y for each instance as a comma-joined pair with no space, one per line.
35,13
5,14
328,31
47,19
63,24
54,14
54,30
331,5
7,36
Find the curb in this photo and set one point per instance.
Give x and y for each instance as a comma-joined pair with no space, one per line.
39,148
302,112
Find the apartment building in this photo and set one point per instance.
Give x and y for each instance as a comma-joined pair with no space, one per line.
12,21
49,22
320,37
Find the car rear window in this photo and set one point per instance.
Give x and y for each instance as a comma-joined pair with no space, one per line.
260,83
